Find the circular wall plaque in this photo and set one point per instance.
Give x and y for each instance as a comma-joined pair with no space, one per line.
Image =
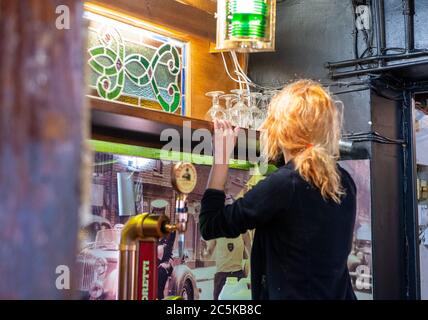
184,177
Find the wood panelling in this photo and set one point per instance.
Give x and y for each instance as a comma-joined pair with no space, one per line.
209,6
167,13
207,74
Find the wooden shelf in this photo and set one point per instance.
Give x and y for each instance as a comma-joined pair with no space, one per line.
130,125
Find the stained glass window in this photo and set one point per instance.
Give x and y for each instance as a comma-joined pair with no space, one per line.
136,66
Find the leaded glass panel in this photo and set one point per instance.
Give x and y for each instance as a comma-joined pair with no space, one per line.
135,66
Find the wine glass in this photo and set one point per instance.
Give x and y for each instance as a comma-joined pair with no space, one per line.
265,101
256,115
216,112
229,99
239,113
264,105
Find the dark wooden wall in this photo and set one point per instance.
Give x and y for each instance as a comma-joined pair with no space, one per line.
41,134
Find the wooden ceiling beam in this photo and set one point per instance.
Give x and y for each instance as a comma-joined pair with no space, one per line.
167,13
209,6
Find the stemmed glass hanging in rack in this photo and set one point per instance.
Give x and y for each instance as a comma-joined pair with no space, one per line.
264,104
216,112
256,115
239,113
229,100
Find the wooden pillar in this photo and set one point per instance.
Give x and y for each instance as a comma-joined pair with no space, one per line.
42,131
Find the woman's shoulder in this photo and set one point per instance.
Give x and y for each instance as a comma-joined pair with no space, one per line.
285,175
287,170
288,174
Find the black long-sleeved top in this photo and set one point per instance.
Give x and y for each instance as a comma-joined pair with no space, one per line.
301,242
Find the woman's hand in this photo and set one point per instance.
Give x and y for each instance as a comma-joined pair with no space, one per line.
224,141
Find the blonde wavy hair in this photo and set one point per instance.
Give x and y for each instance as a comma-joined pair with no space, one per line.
304,123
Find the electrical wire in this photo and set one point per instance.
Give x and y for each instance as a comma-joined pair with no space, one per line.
351,90
238,67
228,73
372,136
238,70
371,139
373,133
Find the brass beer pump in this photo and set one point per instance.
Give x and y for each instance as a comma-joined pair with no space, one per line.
148,228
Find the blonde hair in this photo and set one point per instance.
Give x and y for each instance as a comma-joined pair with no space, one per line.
304,122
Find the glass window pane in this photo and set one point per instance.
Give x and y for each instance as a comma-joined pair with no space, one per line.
135,66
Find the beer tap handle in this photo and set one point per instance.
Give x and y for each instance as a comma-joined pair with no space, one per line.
181,245
182,225
184,178
182,214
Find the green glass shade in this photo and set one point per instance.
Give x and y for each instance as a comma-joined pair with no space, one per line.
247,18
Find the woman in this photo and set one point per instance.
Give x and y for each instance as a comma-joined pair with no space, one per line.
304,213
